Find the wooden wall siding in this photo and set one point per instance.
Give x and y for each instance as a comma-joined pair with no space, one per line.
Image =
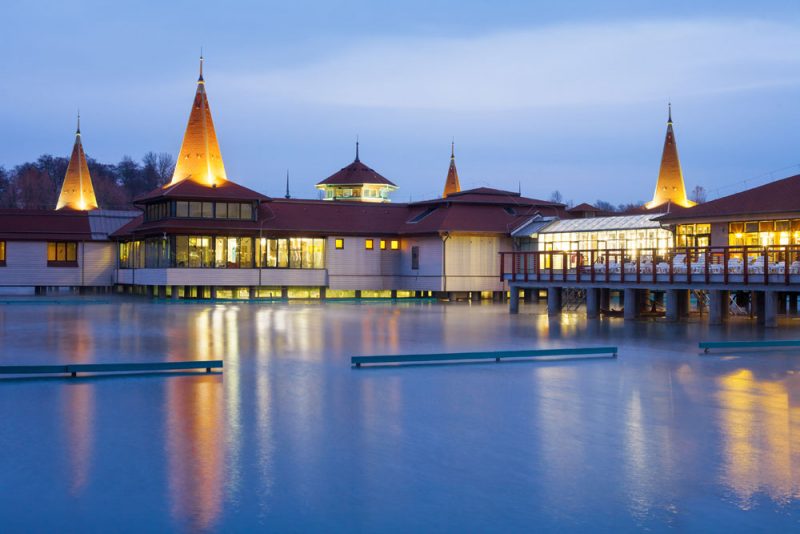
355,260
26,266
473,262
223,277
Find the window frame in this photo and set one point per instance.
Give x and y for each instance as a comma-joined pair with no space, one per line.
65,249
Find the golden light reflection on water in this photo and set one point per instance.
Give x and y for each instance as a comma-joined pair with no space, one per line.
195,449
202,417
758,422
79,406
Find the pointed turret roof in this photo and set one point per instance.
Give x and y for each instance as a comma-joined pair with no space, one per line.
355,174
200,159
670,186
77,192
452,185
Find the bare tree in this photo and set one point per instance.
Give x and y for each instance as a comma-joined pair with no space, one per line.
557,197
698,194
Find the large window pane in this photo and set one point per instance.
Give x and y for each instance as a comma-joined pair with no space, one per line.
221,253
272,253
222,210
182,209
283,253
208,210
233,252
319,253
307,252
233,210
294,253
182,251
195,209
245,252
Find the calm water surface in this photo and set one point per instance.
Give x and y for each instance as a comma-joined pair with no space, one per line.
290,438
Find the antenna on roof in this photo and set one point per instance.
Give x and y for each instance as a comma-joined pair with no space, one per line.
519,187
357,148
287,184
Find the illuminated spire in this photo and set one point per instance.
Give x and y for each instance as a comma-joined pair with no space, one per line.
77,192
200,159
670,186
452,185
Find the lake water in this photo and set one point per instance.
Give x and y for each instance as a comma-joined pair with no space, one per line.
291,438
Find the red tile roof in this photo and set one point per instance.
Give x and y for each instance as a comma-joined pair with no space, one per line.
584,208
354,174
191,190
488,195
781,196
44,225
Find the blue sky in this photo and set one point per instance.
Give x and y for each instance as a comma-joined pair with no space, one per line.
549,95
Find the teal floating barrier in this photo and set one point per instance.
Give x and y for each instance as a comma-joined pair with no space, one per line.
708,345
74,369
358,361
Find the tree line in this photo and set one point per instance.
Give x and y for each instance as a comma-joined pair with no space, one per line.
37,184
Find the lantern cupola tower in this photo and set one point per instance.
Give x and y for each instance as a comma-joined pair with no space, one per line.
77,192
200,159
670,187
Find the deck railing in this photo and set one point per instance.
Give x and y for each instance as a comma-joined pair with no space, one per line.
745,265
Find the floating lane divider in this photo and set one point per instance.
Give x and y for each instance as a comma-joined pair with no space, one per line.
496,355
708,345
74,369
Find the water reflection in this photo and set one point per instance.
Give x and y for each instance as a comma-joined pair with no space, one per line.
759,420
78,405
195,449
196,413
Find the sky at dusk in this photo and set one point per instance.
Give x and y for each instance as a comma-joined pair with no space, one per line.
543,95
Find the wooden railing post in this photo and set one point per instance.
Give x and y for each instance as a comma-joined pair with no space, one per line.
502,266
726,260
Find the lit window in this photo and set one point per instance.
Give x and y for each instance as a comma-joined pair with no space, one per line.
340,244
62,254
395,244
368,244
383,244
2,252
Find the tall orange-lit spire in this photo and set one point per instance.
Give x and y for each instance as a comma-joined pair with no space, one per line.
670,186
200,159
77,192
452,185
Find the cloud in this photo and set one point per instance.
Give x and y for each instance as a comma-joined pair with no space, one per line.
568,65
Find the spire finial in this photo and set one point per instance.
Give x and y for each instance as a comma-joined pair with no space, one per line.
287,184
453,149
78,130
669,106
200,79
357,149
